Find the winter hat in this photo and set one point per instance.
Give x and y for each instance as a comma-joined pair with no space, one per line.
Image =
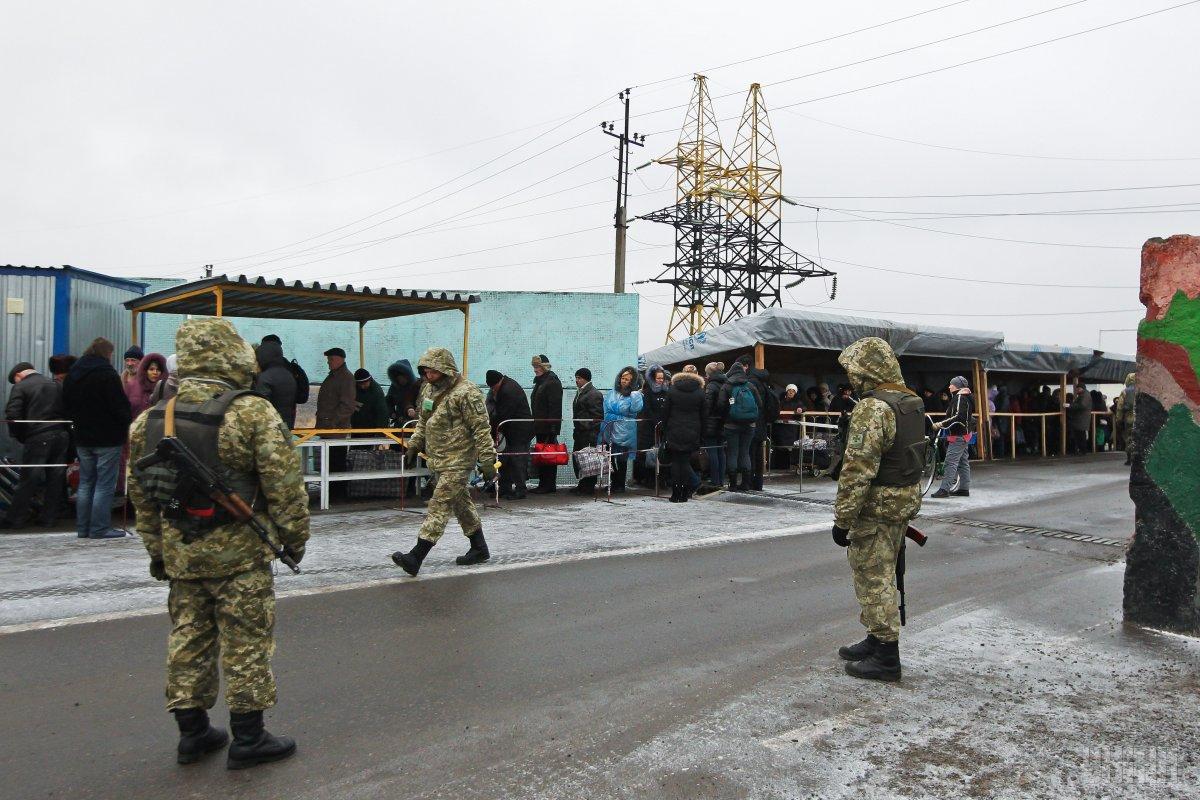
540,361
17,370
62,363
745,359
172,363
135,352
584,372
791,387
362,375
492,377
959,382
270,337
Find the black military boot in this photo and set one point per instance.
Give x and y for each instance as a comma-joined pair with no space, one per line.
253,744
197,738
857,652
477,553
410,562
882,665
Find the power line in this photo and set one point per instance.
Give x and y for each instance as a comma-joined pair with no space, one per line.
1159,208
909,49
989,194
806,44
1019,314
381,240
988,238
991,56
978,280
440,185
490,267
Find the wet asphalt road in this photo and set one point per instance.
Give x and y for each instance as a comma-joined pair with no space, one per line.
499,684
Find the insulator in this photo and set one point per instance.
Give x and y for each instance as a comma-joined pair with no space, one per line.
833,291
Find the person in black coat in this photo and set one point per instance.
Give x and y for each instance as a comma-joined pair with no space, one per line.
547,406
657,382
738,432
276,382
683,419
95,402
506,401
714,431
44,441
768,412
587,409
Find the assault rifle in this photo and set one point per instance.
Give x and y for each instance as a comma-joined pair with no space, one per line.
173,451
920,539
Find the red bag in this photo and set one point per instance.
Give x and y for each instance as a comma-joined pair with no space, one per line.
546,454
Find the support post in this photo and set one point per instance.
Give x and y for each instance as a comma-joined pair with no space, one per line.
466,310
362,347
220,295
620,219
760,356
1062,415
984,432
134,321
1012,431
1043,418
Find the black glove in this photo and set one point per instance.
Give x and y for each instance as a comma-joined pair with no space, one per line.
297,553
157,570
410,458
841,536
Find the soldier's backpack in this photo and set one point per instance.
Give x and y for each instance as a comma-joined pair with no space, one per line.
743,407
302,384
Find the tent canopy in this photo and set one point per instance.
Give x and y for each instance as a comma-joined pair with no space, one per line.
1109,368
796,328
1054,359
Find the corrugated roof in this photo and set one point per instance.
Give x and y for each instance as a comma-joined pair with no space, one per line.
260,297
81,274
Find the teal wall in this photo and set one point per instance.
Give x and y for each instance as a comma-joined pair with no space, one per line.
574,329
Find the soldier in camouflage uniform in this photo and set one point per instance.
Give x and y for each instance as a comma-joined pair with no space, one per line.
875,499
454,434
222,598
1125,414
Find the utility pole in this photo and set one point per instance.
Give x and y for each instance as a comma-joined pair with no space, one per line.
624,139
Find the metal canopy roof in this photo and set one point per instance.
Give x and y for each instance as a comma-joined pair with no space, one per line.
243,296
787,327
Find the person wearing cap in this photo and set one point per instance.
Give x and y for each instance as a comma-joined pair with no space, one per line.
546,404
508,410
60,365
133,359
587,409
957,424
35,397
335,407
371,409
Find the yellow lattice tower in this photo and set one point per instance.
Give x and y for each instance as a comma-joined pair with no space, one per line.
699,160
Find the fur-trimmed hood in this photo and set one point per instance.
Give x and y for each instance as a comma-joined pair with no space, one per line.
687,381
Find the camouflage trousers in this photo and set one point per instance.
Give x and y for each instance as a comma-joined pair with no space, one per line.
230,619
450,496
872,554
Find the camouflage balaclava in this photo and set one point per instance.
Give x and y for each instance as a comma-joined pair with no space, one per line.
870,362
211,348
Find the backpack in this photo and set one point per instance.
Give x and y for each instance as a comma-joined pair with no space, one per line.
302,385
743,407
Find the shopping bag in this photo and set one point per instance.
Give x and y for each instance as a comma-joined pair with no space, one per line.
550,454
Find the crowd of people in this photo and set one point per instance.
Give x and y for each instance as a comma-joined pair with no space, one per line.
705,429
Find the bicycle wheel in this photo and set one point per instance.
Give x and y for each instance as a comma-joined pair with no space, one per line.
930,468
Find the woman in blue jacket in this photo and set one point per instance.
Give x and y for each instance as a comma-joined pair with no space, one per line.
619,430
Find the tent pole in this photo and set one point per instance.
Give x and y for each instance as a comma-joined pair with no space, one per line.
466,310
362,349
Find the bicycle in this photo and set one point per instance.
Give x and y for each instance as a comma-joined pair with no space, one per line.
935,462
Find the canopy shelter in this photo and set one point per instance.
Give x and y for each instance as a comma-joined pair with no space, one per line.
1109,368
794,344
222,296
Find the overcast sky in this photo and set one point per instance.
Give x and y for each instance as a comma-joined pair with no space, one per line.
149,139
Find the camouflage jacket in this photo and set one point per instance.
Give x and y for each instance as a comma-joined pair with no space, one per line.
452,422
868,363
1127,400
213,358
